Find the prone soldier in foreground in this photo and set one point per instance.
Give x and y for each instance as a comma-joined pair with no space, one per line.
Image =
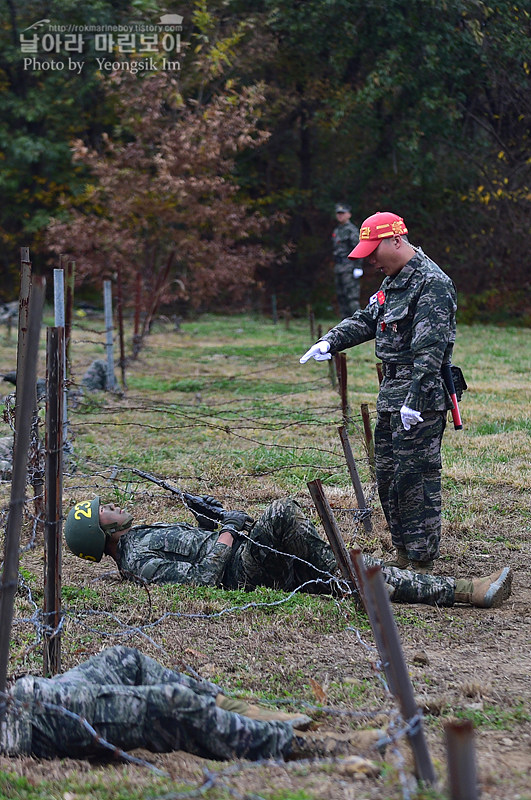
130,700
282,550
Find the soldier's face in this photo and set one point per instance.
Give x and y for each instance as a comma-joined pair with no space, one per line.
386,257
342,216
111,513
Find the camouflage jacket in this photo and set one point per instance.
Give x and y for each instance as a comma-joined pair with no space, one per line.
176,553
412,319
344,239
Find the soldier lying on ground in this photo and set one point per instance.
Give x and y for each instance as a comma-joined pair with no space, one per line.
133,701
282,550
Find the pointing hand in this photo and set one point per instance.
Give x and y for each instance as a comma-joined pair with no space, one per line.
319,351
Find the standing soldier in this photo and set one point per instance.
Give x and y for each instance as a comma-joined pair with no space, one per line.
412,318
344,239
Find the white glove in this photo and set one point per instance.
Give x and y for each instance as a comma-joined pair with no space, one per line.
357,272
409,417
319,351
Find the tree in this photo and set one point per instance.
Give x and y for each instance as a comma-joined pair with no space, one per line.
164,188
41,110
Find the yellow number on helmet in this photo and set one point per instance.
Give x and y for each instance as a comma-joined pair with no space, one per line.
87,558
82,510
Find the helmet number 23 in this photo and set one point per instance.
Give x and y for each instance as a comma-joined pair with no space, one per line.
83,510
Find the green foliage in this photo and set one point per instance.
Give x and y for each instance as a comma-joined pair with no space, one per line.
81,594
13,787
40,112
424,109
496,717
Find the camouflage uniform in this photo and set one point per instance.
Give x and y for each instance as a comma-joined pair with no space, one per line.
96,378
412,318
6,457
131,701
344,239
180,553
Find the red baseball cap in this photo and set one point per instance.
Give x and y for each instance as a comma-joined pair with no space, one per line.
381,225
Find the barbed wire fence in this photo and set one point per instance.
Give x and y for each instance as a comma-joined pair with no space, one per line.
239,419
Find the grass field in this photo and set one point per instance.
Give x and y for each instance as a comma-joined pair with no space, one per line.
223,407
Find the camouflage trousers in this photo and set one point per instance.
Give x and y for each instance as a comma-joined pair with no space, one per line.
408,474
132,701
347,289
283,551
412,587
284,527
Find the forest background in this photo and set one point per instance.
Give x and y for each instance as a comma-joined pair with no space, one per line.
215,180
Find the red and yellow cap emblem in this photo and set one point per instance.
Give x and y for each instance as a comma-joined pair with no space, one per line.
381,225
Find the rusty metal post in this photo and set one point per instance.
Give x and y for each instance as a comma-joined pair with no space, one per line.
360,569
332,531
274,312
27,378
461,757
120,312
138,302
369,441
287,317
23,315
70,278
53,499
354,476
340,360
34,465
398,675
109,345
311,320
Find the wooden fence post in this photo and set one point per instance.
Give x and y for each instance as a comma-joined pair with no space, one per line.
311,320
27,378
369,441
274,312
332,532
54,499
373,593
461,757
340,360
138,303
396,669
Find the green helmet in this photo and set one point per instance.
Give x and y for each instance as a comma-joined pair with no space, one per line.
83,534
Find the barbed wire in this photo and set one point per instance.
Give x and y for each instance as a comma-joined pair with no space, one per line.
215,415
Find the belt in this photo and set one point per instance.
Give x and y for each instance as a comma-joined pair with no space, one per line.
392,370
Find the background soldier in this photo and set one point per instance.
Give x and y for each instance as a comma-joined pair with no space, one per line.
283,550
347,278
412,318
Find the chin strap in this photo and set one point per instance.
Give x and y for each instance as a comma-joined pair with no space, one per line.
114,526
